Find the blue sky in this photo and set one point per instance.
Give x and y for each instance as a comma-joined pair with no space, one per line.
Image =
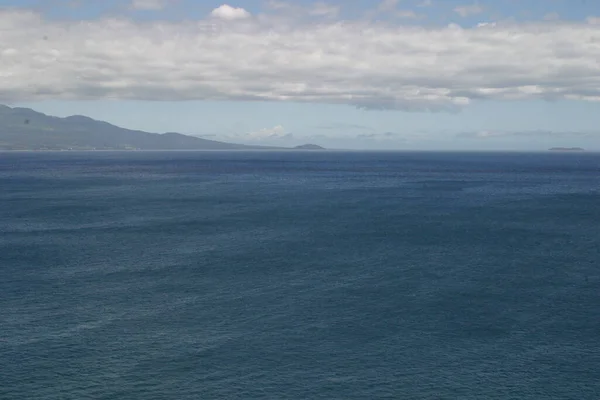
407,74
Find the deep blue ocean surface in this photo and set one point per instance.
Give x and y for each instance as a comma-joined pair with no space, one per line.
299,275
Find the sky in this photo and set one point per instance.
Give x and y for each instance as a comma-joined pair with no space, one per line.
353,74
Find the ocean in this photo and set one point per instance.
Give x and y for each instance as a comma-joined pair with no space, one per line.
299,275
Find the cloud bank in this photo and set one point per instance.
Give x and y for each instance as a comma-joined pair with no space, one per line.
233,55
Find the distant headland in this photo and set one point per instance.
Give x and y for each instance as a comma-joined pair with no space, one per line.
26,129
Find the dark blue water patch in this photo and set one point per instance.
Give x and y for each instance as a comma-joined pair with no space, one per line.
299,275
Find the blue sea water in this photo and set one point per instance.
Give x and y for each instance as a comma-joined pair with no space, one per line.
299,275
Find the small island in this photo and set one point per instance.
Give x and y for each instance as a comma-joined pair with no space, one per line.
566,149
309,147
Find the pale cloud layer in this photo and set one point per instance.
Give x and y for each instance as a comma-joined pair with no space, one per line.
233,55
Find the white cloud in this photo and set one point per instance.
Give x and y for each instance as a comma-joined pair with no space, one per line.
227,12
148,4
364,64
465,11
265,134
425,3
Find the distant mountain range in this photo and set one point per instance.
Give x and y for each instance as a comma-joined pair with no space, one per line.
26,129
